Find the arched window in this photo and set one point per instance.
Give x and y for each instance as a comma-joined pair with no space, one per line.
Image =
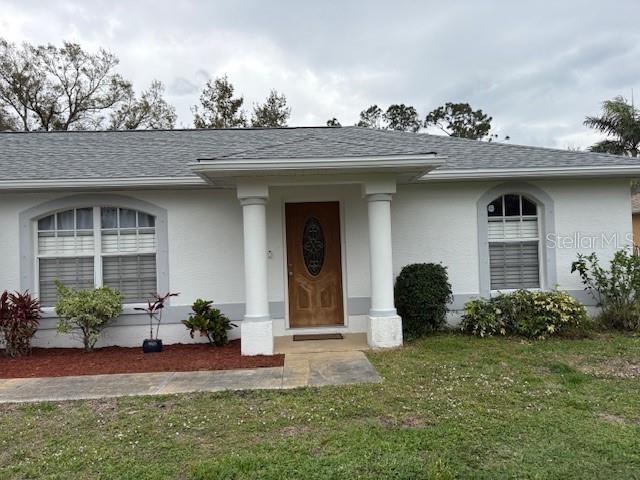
94,246
513,236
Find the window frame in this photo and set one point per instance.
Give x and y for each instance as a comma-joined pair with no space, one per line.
546,228
29,228
521,218
98,255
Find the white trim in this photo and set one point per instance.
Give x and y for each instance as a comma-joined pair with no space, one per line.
503,219
292,162
97,247
101,183
213,170
497,173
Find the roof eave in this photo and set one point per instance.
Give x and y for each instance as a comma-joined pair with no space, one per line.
101,183
532,173
227,171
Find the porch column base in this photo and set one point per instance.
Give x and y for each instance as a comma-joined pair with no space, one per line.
384,332
256,336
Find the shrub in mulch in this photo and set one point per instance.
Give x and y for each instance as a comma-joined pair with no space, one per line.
60,362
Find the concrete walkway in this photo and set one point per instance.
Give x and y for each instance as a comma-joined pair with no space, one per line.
299,370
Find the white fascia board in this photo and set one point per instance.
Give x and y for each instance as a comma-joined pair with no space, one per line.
546,172
387,163
102,183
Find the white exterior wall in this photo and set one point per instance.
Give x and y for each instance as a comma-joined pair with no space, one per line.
205,256
431,222
437,222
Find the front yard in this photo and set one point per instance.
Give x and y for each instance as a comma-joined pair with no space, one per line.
450,407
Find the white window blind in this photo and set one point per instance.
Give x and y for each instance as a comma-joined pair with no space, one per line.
75,272
514,265
94,246
513,236
133,275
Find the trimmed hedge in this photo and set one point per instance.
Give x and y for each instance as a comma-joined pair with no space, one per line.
422,292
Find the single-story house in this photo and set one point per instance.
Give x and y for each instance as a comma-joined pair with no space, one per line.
295,230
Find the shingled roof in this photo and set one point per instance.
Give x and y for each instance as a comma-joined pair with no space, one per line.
168,153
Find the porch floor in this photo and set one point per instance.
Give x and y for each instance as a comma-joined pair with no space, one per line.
350,342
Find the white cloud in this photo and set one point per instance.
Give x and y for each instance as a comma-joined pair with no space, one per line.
537,68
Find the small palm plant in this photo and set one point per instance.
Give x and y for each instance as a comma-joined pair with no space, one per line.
154,309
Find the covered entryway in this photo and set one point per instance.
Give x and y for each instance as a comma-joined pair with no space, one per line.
313,274
314,265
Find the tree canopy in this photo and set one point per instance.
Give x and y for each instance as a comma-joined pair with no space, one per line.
333,122
151,111
620,122
274,112
68,88
218,107
460,120
371,117
58,88
402,117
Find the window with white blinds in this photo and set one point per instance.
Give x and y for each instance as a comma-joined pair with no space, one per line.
514,240
94,246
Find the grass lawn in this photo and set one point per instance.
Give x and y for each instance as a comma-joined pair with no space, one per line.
449,407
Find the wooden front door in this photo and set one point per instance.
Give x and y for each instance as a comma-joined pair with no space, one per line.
314,265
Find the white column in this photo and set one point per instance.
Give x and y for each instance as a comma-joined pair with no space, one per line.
256,332
385,326
380,255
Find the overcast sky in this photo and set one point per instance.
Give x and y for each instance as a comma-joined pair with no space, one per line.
538,68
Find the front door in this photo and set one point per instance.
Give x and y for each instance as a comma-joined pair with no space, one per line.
314,265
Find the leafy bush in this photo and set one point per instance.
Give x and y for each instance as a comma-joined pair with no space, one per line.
209,322
483,318
87,311
19,320
422,292
532,314
617,289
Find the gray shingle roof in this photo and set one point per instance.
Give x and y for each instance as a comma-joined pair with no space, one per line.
167,153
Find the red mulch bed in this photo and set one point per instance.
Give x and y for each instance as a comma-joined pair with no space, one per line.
61,362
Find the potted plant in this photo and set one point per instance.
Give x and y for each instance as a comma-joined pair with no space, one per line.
154,308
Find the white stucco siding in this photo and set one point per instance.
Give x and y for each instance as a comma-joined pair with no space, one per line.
594,210
437,222
431,222
10,207
205,243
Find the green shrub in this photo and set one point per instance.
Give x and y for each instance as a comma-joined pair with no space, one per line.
422,292
209,322
617,289
87,311
482,317
531,314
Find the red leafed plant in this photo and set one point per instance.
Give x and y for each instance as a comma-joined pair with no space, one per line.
19,320
154,310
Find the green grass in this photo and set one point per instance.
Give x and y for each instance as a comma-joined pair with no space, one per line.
449,407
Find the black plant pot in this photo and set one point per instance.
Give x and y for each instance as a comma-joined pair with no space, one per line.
152,345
